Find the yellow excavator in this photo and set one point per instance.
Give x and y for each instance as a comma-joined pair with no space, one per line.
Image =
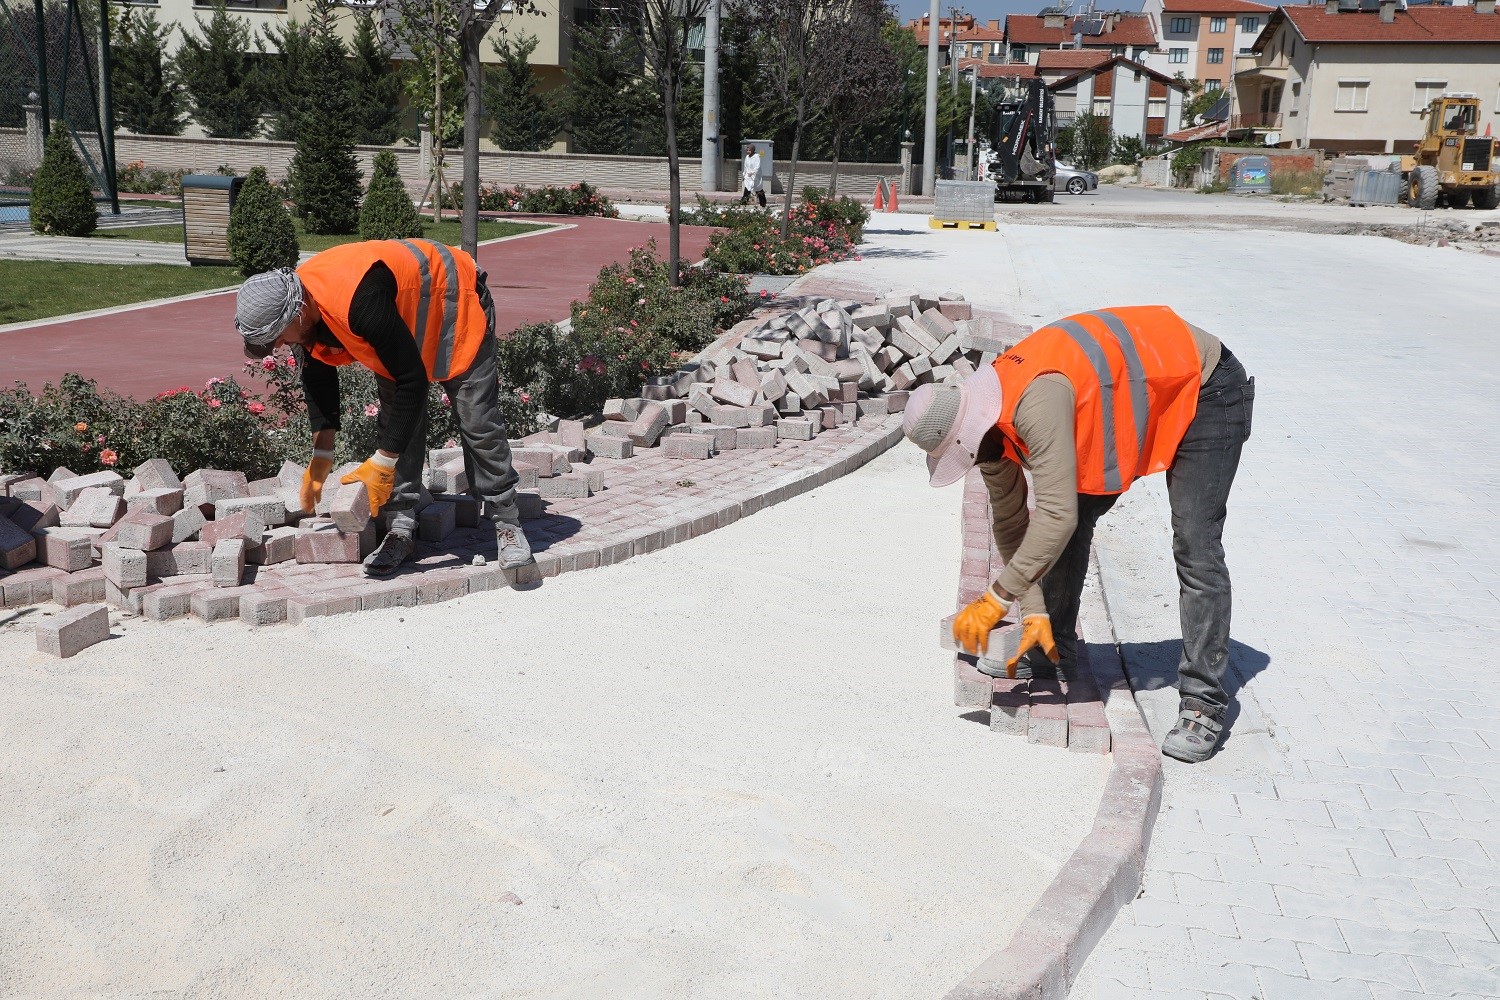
1453,161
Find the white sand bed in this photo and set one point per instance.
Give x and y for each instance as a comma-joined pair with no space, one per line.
729,769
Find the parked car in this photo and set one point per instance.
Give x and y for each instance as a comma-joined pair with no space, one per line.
1073,180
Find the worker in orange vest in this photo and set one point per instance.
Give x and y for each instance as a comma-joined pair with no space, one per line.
413,312
1089,404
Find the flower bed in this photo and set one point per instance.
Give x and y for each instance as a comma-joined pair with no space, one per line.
550,199
820,231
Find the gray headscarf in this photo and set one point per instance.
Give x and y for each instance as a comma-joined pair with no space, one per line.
267,302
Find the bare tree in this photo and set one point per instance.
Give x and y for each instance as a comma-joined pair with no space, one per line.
660,29
791,36
464,23
855,72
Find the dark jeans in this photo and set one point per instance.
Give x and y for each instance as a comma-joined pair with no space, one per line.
760,196
475,398
1198,486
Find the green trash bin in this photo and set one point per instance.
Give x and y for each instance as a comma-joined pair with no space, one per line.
206,202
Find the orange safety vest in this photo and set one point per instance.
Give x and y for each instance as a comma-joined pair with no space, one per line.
434,294
1135,373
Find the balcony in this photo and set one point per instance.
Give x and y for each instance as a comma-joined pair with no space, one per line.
1258,119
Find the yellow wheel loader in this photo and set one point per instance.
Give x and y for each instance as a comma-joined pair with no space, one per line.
1453,161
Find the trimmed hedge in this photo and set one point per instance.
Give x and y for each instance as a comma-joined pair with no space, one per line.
261,234
62,204
388,212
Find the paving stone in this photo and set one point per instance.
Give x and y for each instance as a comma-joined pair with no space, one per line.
262,607
301,607
265,487
1331,966
228,562
32,585
647,428
245,525
270,509
181,559
70,632
573,485
82,587
1047,721
206,487
67,549
35,515
319,541
171,600
144,530
378,595
216,604
157,474
437,521
94,507
435,587
350,507
64,492
158,500
125,568
1010,706
688,446
734,393
17,547
187,523
792,429
278,545
605,446
756,437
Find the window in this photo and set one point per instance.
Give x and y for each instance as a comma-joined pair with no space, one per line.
1156,107
1249,24
1180,25
1216,25
1177,56
1019,53
1101,107
995,48
1209,86
1425,91
1215,56
1353,95
1296,107
1247,51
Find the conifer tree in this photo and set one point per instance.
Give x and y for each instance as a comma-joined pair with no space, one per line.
604,106
61,202
376,87
261,235
290,78
221,78
142,80
388,212
325,173
523,118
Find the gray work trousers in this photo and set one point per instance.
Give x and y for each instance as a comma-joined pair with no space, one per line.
1198,484
475,398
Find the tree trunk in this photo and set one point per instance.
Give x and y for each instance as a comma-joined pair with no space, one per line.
833,174
471,34
674,184
791,177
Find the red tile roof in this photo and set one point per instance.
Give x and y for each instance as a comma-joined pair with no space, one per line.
1215,7
1110,63
1069,58
1031,29
981,33
1198,133
998,71
1432,25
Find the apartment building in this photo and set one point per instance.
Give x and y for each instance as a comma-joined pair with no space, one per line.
1137,100
1352,76
1117,33
1201,39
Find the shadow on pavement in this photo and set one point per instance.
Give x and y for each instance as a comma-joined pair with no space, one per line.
893,253
1152,666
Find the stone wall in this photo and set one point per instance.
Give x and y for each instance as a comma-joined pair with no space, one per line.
643,173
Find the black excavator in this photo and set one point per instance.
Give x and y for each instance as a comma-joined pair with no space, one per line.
1023,148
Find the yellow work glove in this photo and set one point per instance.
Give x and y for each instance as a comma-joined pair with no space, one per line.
1036,631
313,479
972,625
378,473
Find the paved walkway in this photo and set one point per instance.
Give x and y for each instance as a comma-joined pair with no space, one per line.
1346,843
145,350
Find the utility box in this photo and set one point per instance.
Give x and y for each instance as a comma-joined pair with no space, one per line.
1251,174
206,202
963,205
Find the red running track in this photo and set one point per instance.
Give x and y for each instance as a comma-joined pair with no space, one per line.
141,352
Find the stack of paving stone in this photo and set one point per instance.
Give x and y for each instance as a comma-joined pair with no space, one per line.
797,373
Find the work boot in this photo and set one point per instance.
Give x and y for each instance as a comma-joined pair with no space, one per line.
390,554
510,539
1195,737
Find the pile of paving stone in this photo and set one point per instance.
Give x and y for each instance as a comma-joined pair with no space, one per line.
800,372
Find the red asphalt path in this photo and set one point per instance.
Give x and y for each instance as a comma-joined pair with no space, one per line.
141,352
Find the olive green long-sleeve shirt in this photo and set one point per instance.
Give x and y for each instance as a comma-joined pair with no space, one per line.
1031,542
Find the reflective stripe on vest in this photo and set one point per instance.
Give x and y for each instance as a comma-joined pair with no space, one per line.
1135,374
450,301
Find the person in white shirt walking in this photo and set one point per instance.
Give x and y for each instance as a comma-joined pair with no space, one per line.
752,181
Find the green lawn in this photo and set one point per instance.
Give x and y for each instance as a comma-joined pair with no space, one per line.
444,232
36,289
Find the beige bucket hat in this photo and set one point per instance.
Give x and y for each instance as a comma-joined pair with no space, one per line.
949,421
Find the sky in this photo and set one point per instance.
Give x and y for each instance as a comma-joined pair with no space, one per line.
986,10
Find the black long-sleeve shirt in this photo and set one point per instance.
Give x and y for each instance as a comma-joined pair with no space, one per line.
374,317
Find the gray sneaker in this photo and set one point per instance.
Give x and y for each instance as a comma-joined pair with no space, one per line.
1195,737
388,557
515,550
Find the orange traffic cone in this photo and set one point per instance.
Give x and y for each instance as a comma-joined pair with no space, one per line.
1486,130
894,206
879,205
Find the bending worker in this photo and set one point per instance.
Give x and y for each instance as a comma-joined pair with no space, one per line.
413,312
1089,404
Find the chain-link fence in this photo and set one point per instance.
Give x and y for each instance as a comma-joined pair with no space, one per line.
54,73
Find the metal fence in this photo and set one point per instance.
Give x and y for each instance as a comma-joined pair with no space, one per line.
54,73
